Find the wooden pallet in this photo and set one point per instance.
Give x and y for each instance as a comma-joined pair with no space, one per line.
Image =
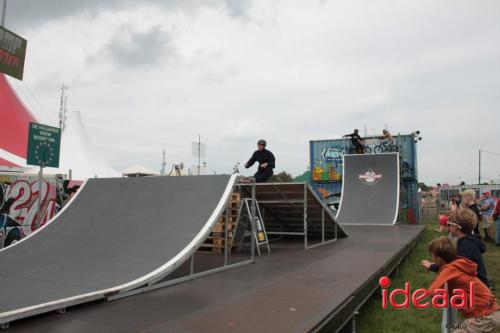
215,242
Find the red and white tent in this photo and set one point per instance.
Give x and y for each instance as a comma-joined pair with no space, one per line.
78,154
14,124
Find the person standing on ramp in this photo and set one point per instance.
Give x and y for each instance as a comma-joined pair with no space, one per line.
266,162
357,141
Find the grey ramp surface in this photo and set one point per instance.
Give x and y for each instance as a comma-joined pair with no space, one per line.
114,232
365,202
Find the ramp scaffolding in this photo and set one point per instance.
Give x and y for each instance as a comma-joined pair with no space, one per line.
294,209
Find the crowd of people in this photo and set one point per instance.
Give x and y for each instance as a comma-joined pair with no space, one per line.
458,258
487,211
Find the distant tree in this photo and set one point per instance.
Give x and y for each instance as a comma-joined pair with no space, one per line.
423,187
462,183
282,177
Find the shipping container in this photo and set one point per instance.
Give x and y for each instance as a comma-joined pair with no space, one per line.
326,162
326,156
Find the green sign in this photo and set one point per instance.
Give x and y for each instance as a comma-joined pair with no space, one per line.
12,53
44,143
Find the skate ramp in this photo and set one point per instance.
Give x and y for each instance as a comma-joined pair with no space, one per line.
370,190
116,235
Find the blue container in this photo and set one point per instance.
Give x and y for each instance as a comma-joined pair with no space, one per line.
326,161
326,156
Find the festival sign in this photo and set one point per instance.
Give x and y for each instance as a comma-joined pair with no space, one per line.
12,53
44,145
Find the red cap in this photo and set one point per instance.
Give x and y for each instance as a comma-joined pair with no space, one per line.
443,219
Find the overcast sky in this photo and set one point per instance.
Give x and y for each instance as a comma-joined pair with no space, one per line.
149,75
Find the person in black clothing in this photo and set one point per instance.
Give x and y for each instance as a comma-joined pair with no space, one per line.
266,162
469,201
468,246
357,141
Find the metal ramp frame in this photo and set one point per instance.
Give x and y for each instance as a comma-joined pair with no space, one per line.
294,209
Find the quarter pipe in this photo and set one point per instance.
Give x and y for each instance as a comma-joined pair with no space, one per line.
117,235
370,189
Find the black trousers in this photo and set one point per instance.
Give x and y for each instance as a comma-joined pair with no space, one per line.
358,148
262,175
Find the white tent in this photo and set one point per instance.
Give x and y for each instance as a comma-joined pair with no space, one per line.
139,171
79,155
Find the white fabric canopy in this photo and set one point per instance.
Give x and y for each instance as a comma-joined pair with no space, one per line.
79,155
139,170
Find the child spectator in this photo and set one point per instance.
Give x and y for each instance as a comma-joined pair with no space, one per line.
443,223
459,273
468,246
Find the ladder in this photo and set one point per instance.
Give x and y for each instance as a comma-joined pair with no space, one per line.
259,233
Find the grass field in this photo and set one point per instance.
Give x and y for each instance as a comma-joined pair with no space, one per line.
374,319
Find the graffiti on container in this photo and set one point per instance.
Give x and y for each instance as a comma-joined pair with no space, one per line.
329,166
332,154
25,206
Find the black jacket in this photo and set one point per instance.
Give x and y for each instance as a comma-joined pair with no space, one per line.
264,156
472,248
355,138
475,209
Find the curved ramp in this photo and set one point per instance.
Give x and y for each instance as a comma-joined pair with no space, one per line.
370,189
117,235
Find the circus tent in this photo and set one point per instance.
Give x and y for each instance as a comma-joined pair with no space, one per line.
14,124
78,153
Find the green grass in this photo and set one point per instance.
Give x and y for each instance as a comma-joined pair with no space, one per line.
373,318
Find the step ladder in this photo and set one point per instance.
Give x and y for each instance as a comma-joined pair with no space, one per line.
259,232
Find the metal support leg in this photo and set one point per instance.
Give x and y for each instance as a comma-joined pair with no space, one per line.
226,224
305,216
322,225
353,322
191,265
252,225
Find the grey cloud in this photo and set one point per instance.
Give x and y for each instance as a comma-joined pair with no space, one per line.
238,8
132,48
23,14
